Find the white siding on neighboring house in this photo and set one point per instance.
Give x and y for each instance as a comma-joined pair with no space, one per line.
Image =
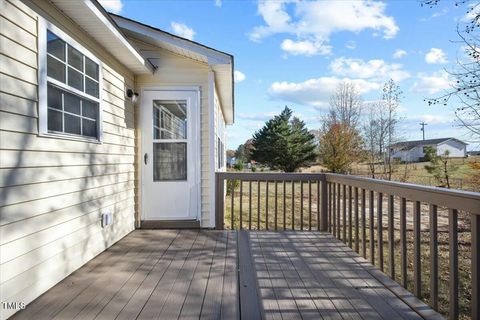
53,191
455,148
174,70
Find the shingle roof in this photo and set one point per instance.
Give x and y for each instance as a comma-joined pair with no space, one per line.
407,145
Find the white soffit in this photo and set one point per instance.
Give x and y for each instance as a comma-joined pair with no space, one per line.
220,62
92,18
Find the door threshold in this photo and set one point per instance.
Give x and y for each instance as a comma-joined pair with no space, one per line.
170,224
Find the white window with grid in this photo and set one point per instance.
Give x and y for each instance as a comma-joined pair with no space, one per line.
69,87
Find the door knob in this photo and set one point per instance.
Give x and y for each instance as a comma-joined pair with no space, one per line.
145,158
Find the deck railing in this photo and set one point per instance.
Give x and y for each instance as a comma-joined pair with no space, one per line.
353,210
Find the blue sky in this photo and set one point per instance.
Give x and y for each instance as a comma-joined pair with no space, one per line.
295,53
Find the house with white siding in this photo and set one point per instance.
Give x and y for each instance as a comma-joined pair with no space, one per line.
412,151
106,125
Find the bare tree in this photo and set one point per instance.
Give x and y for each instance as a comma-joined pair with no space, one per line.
346,104
392,95
464,94
374,134
340,139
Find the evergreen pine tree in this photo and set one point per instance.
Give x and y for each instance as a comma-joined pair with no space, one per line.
284,143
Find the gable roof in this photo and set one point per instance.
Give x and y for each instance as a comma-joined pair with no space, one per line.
221,63
407,145
93,18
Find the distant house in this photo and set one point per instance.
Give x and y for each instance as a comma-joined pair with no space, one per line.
415,150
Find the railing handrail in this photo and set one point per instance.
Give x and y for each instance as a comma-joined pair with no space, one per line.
457,199
271,176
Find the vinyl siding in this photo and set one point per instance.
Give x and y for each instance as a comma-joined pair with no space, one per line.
174,70
53,191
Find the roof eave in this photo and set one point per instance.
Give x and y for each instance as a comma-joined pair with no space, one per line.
93,18
219,61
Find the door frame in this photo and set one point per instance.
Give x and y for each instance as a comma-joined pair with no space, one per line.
196,145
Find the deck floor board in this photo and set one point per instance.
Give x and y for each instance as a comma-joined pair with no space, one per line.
193,274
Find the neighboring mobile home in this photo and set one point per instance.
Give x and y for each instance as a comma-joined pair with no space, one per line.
413,151
106,125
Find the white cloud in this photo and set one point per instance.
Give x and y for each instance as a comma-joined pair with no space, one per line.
316,92
376,69
218,3
306,48
432,83
436,55
238,76
261,116
182,30
315,21
399,53
114,6
351,45
436,118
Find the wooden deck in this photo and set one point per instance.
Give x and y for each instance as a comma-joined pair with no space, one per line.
191,274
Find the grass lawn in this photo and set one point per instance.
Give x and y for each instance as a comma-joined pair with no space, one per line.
291,209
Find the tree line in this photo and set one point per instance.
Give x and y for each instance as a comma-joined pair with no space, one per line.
350,131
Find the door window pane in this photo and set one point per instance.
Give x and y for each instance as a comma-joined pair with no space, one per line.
173,118
169,161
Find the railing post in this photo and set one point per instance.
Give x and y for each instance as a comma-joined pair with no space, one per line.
220,202
475,230
324,207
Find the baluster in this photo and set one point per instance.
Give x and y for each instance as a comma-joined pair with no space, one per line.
344,211
284,205
334,211
364,224
391,236
350,216
433,257
259,221
372,234
241,204
276,204
309,205
453,257
338,209
330,207
266,205
417,262
380,229
301,205
249,204
403,240
232,195
293,205
475,265
357,232
324,215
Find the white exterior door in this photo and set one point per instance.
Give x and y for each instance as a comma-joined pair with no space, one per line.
170,155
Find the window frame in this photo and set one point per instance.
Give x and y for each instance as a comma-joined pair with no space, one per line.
43,82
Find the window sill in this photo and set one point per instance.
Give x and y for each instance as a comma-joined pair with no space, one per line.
68,137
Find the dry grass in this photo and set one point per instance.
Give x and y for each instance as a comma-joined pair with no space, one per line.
284,216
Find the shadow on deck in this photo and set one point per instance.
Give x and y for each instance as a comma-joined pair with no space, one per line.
170,274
